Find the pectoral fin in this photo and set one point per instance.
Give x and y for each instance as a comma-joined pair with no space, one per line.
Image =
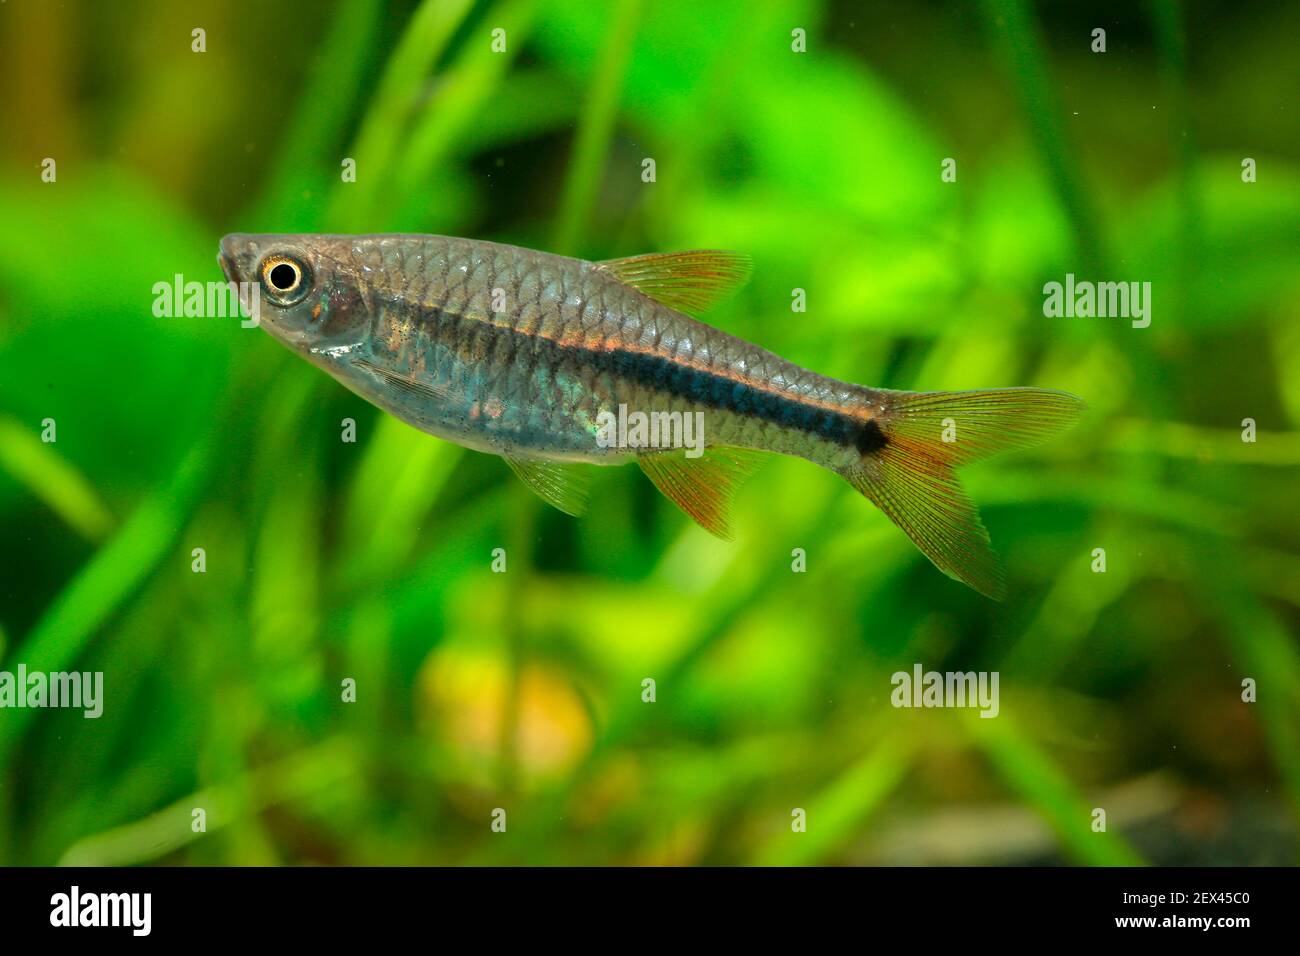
561,484
702,487
687,281
407,383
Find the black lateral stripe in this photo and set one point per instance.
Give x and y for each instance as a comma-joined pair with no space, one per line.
723,393
698,386
870,439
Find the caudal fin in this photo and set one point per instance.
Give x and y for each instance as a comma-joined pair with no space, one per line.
906,467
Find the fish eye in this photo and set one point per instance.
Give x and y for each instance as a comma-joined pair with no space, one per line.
285,279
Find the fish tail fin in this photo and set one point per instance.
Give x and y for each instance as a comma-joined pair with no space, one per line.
906,458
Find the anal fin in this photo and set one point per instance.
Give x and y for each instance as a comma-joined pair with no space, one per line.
702,487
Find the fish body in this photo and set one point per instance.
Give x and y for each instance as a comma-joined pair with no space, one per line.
538,357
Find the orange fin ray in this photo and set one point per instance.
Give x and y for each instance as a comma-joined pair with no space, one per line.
909,473
702,487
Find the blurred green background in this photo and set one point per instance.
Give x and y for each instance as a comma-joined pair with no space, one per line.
371,561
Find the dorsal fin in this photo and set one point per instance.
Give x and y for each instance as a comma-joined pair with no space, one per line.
702,487
562,484
687,281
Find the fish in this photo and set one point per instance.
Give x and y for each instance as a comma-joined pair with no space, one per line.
543,360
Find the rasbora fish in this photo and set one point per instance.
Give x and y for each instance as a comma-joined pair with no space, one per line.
534,357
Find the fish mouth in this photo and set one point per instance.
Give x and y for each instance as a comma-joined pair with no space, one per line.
228,259
227,265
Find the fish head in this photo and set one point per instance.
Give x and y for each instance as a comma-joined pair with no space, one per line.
301,288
